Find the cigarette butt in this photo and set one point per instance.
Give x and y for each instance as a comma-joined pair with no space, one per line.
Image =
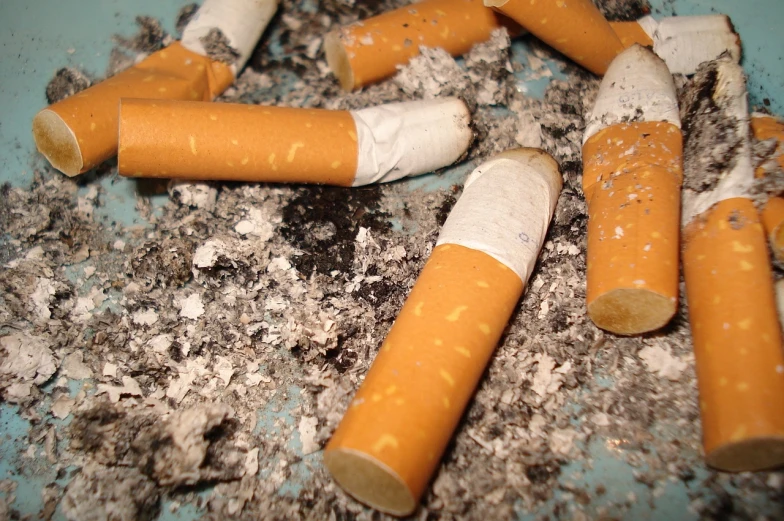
389,443
764,128
632,178
80,132
737,338
729,283
594,45
231,142
369,51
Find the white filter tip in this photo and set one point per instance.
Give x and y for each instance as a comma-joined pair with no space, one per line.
505,209
399,140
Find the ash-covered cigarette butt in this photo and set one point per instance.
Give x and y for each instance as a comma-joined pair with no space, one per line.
683,42
575,27
210,141
391,439
80,132
729,282
632,155
370,50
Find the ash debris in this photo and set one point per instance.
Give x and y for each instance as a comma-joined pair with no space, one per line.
271,302
150,37
766,156
712,135
184,16
623,10
102,494
66,82
218,47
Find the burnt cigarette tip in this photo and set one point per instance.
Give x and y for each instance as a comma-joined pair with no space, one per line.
57,142
370,481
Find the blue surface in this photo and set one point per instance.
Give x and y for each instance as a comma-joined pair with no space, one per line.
39,36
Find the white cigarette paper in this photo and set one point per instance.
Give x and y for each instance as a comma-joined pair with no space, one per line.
684,42
505,209
241,21
410,138
631,93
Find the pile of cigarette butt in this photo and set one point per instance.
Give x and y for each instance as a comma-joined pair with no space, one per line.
299,332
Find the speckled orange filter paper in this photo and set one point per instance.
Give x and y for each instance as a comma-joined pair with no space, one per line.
764,128
236,142
79,132
574,27
632,179
370,50
737,337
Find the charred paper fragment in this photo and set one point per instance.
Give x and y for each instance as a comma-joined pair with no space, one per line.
392,437
232,142
632,156
729,283
79,132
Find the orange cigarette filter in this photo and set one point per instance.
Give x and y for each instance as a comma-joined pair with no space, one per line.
80,132
219,142
576,28
370,51
764,128
737,337
633,207
397,427
632,176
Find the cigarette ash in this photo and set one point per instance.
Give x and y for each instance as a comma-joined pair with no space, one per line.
218,47
766,155
623,10
184,16
150,37
66,82
712,135
225,339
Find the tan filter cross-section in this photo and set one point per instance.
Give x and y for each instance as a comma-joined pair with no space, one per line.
574,27
764,128
80,132
402,418
369,51
632,178
233,142
737,337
